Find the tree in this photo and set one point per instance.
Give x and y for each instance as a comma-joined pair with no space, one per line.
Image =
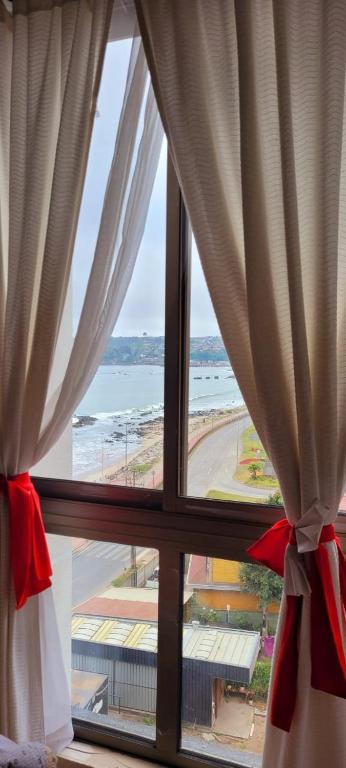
275,499
265,584
253,469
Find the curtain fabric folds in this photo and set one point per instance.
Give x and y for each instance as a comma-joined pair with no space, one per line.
252,97
51,58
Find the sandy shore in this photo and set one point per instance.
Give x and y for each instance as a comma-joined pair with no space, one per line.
144,465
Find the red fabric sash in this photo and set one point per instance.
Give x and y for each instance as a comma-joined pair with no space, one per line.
328,661
29,555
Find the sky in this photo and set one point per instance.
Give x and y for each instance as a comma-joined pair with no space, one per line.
143,308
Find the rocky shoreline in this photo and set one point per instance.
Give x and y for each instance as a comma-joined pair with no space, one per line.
147,459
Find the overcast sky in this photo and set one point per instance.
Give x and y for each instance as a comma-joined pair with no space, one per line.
143,309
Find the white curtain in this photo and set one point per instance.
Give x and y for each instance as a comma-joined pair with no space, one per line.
51,57
252,97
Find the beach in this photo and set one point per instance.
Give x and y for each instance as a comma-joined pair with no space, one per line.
144,465
118,427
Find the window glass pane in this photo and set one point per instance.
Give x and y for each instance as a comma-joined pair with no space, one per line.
112,650
228,637
226,459
116,433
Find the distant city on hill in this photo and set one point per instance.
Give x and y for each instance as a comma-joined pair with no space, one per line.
149,350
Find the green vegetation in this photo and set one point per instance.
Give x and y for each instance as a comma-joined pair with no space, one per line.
262,481
252,620
251,444
141,468
144,350
222,496
254,469
251,462
260,679
201,613
275,499
148,720
123,578
265,584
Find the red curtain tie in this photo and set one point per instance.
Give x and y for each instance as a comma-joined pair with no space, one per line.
29,556
328,661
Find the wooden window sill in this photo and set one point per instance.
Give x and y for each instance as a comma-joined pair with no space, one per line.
82,754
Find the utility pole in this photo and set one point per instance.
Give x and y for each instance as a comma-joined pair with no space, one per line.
133,567
126,425
102,467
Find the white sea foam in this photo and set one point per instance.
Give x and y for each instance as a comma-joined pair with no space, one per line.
135,397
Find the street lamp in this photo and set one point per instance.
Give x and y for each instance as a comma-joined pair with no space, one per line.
126,438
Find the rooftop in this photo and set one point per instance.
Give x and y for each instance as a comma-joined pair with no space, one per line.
126,603
211,644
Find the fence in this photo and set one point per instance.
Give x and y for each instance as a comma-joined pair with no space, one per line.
251,620
143,571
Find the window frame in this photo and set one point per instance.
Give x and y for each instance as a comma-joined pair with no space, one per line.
167,519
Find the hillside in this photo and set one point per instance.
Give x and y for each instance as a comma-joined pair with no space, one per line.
149,350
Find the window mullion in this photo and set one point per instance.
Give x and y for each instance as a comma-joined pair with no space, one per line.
176,341
168,705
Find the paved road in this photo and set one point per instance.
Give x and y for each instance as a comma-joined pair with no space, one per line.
213,462
94,566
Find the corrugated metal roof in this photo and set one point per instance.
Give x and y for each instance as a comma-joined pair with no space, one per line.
215,645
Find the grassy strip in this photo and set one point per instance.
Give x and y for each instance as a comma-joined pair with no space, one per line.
242,475
141,467
252,449
251,444
222,496
120,580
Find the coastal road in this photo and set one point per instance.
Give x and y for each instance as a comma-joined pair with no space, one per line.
213,461
95,564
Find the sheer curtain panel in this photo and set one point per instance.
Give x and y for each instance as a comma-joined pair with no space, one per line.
252,97
51,57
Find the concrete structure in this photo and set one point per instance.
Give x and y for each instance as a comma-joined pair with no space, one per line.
89,692
127,603
126,652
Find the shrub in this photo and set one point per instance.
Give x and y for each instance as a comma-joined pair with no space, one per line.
249,620
260,680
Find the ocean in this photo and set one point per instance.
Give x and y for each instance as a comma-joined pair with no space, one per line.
122,398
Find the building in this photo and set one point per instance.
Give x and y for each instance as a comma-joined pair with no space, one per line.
216,585
132,603
126,651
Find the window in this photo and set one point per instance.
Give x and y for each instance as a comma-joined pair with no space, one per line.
228,639
117,430
116,434
114,635
225,458
99,515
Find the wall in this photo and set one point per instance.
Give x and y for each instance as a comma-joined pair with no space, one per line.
238,601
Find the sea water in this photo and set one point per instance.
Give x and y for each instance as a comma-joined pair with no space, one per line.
121,398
